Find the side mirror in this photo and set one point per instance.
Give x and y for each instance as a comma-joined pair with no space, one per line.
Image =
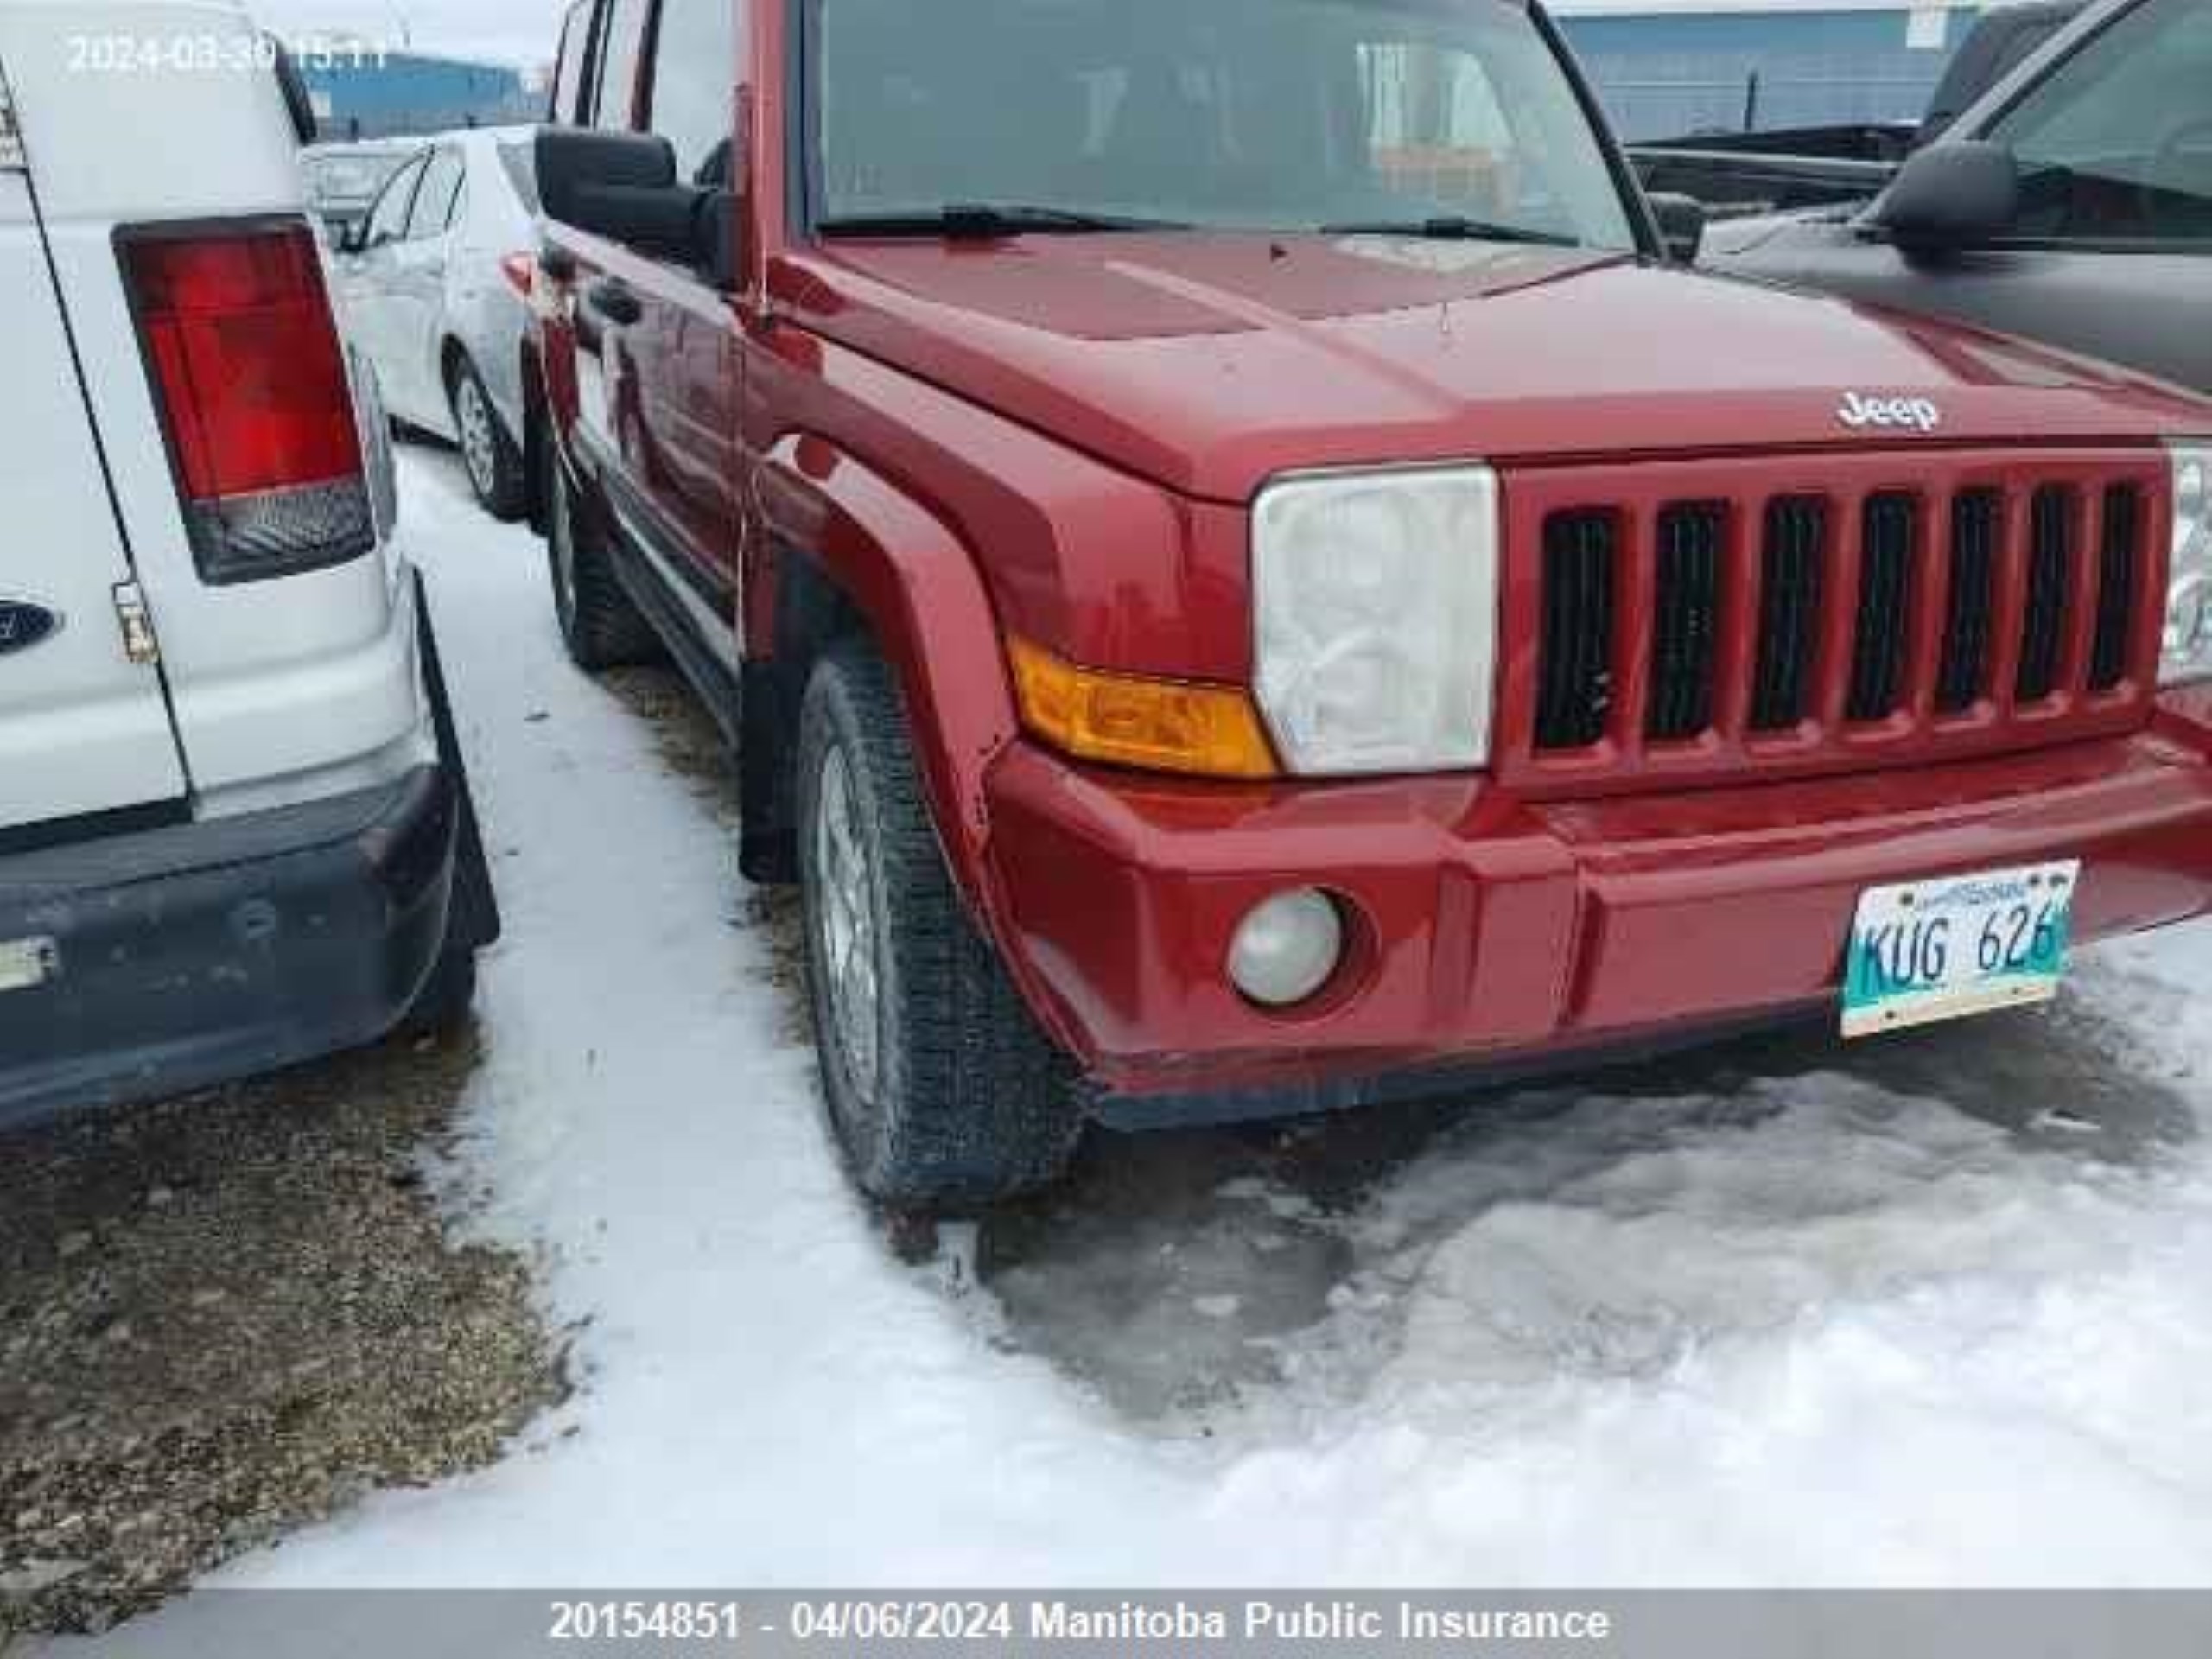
719,251
1949,197
1682,225
352,236
623,185
619,185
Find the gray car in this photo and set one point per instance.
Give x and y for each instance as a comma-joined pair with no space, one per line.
433,287
2071,204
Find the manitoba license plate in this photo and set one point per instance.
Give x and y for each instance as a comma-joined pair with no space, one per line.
25,964
1958,945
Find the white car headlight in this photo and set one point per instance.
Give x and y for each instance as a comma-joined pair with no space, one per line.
2188,652
1374,599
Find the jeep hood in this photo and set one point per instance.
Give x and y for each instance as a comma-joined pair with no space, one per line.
1208,363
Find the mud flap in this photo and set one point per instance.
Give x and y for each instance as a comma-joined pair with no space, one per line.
476,917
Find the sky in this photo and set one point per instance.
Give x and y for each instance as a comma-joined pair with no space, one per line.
512,31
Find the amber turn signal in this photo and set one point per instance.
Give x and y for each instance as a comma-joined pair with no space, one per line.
1125,720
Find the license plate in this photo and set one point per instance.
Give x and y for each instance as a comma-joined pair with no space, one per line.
1958,945
26,963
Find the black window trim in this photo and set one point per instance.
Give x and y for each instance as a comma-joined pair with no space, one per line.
586,112
437,153
457,209
418,165
647,33
587,12
802,165
647,90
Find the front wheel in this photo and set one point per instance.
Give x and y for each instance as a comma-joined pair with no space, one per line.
943,1092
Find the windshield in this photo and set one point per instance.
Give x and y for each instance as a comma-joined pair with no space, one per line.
1264,115
2117,141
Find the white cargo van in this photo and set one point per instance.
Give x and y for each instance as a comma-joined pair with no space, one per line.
235,828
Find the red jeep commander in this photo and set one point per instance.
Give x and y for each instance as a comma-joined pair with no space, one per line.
1243,578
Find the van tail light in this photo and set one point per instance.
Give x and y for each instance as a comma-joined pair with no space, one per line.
242,351
521,272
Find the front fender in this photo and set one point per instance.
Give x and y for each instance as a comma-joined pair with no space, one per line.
922,596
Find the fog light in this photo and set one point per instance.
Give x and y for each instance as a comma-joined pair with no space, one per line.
1287,948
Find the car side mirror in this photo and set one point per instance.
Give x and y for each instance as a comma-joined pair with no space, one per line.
719,251
621,186
1949,197
353,237
1682,225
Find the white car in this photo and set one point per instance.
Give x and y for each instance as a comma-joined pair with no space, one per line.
235,828
435,286
343,179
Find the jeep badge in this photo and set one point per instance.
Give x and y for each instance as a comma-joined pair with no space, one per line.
1859,412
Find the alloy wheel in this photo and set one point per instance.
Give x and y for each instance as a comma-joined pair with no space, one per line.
845,926
479,438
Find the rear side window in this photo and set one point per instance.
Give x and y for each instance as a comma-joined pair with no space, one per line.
692,99
388,220
614,103
575,47
440,193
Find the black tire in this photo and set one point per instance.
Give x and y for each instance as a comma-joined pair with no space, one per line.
490,456
966,1101
600,624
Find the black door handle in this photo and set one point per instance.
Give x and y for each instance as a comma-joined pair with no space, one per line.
611,297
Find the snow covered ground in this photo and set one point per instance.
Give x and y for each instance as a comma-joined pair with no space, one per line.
1935,1312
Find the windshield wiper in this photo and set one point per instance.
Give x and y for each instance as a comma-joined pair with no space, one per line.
1451,228
983,221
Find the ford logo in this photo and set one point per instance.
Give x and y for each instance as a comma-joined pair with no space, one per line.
23,625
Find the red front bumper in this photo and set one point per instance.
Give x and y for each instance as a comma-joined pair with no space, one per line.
1494,930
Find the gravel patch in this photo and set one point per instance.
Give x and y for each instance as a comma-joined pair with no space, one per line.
224,1316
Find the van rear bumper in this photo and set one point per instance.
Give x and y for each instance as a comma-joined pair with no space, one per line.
190,956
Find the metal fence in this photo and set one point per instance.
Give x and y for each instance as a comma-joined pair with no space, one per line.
336,128
1673,75
1644,107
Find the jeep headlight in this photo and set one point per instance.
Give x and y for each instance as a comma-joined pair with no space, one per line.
1374,599
2188,650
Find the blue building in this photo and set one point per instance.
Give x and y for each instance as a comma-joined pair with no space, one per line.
376,94
1726,66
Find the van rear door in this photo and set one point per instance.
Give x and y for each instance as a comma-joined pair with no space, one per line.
83,729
